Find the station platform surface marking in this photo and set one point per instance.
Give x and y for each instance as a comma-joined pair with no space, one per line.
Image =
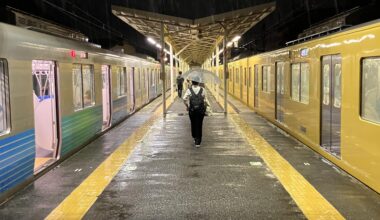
84,196
308,199
42,196
350,197
166,177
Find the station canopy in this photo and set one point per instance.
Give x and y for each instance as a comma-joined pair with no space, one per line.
194,39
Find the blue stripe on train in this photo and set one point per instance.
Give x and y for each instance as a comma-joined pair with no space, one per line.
80,127
17,155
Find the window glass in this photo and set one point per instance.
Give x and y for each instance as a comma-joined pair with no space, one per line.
245,76
151,82
4,122
249,76
125,80
88,85
241,75
144,75
305,70
295,81
139,78
370,106
271,79
337,85
121,81
265,79
326,84
77,86
268,84
237,76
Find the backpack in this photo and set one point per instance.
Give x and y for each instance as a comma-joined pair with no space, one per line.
197,102
180,80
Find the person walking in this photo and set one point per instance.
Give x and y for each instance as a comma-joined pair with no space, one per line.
180,80
195,102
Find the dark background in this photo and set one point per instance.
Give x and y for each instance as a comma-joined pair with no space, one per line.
95,19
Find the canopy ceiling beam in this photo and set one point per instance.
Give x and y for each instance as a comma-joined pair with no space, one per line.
194,39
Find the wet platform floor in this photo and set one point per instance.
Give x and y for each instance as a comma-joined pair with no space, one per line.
166,177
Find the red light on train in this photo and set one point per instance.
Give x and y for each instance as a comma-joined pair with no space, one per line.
73,53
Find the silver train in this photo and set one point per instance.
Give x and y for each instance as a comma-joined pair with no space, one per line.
58,94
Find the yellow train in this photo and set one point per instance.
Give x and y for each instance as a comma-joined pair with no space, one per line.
325,92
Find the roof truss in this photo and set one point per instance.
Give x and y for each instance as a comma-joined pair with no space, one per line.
197,38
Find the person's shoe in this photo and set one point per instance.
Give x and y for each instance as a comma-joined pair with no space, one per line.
197,145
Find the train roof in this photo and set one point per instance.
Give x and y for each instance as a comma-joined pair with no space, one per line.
353,29
14,36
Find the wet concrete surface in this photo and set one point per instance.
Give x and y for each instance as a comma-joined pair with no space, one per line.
38,199
351,198
166,177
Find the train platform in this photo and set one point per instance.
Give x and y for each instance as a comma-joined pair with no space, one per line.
148,168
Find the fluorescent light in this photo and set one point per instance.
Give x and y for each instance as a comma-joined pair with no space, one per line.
158,46
151,40
229,44
236,38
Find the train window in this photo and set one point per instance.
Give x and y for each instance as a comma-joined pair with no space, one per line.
300,74
249,76
295,82
143,77
241,76
88,85
77,87
83,86
138,78
4,98
151,82
121,81
305,72
245,76
337,85
326,84
266,79
370,94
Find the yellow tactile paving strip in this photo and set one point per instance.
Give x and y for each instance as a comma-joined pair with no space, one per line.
308,199
76,205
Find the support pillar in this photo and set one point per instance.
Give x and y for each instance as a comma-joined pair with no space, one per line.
171,74
225,69
217,70
163,75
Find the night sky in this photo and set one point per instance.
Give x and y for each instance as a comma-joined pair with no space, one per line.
95,19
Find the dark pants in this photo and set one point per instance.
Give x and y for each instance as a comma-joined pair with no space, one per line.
196,126
180,88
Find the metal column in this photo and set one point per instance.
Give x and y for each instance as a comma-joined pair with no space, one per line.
217,70
163,76
171,74
225,71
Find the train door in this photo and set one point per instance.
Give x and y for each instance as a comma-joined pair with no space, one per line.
131,81
106,95
331,103
280,90
46,120
256,89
